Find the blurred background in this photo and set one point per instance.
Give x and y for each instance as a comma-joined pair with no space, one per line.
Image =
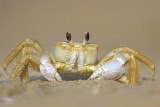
111,23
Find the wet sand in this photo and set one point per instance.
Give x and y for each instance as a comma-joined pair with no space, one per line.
111,24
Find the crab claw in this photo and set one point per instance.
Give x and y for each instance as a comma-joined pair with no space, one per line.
111,67
48,70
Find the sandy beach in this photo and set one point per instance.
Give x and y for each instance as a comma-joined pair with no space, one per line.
111,23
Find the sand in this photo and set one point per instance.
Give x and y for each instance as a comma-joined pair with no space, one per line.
111,24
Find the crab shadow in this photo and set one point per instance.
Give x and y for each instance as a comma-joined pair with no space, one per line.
64,77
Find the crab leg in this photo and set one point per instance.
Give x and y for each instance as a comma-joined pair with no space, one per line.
22,67
24,75
17,70
123,79
147,62
48,70
28,56
138,56
111,67
27,43
99,69
133,71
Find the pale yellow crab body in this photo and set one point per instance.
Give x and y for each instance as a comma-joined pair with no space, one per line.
75,57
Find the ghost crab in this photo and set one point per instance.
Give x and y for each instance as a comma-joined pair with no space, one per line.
78,58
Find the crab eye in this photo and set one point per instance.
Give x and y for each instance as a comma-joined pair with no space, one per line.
68,36
86,34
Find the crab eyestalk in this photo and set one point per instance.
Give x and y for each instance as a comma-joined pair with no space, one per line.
69,38
86,38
